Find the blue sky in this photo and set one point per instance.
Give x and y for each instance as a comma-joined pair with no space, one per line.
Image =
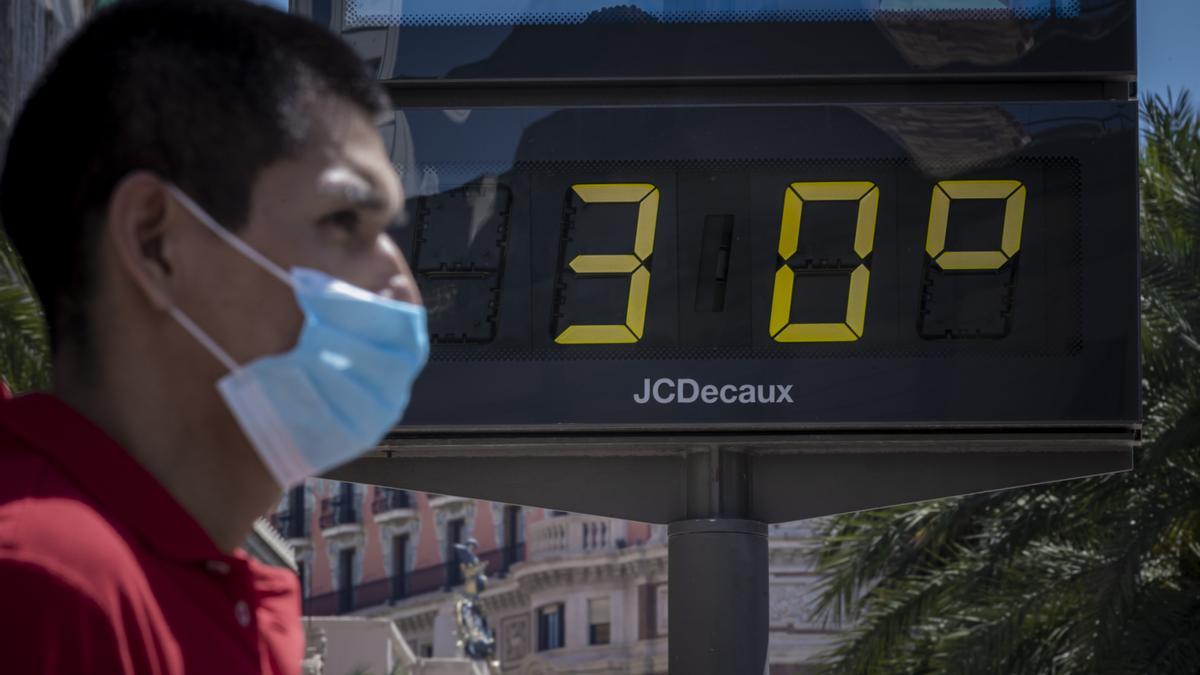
1168,44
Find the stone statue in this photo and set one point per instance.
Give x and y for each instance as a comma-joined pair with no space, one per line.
475,638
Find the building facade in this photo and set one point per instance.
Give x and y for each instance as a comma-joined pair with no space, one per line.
567,593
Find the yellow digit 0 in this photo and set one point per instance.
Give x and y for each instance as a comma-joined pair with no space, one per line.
645,196
1013,194
867,196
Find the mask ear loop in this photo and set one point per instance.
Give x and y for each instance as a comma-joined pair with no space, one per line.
238,245
203,338
229,237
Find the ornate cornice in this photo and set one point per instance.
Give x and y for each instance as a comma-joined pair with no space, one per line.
344,531
395,516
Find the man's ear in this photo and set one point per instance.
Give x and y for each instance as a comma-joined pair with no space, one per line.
140,215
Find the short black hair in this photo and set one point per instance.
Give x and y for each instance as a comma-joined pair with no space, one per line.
205,94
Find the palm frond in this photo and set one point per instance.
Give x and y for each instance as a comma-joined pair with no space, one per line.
1096,575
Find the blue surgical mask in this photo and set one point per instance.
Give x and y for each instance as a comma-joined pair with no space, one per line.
340,389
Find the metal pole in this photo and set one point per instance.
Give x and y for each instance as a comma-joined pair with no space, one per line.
717,597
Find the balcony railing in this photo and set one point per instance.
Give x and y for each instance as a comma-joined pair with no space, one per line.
292,524
389,590
575,535
387,499
339,511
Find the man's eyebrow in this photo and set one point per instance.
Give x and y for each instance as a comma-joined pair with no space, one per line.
350,187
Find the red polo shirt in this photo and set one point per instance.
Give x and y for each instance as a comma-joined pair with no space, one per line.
102,571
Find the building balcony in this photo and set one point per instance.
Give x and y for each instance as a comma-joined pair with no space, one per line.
437,501
573,536
392,505
340,516
391,590
293,524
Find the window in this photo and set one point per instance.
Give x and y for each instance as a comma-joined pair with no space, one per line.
399,570
296,498
302,573
514,535
599,621
295,521
551,627
660,605
347,504
345,580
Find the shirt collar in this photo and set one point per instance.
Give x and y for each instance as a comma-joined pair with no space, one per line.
105,471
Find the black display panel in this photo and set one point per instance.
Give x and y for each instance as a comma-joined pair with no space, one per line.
572,40
774,267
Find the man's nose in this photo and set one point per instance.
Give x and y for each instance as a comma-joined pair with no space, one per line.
399,283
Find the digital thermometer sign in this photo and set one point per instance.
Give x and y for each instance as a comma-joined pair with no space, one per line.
755,217
773,267
723,264
755,261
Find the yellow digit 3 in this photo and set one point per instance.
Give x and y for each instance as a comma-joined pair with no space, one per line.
645,196
851,328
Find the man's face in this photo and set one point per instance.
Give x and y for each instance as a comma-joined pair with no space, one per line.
326,209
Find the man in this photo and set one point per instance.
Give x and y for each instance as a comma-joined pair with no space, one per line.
200,196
